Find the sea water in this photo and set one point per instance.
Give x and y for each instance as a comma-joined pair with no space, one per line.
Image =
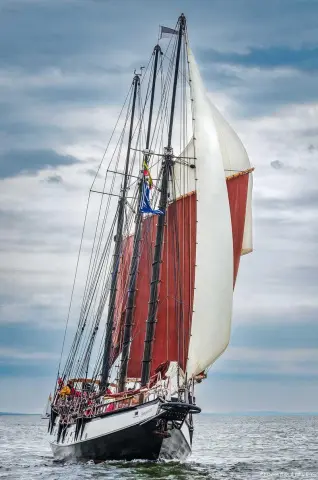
225,447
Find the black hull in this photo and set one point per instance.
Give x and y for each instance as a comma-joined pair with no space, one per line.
136,442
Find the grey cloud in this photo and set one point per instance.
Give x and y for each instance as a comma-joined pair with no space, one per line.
76,93
251,395
303,275
81,28
55,179
15,162
303,199
81,43
310,132
92,173
312,148
52,44
258,92
300,332
96,86
26,231
271,57
66,34
277,164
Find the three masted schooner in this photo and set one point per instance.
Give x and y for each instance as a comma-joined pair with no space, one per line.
173,217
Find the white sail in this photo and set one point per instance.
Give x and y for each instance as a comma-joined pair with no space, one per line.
235,159
184,178
47,409
211,321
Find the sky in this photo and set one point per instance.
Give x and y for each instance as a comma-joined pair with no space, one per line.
65,67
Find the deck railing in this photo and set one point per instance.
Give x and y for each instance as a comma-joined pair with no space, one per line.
70,407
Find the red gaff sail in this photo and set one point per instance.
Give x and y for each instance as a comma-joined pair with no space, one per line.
176,288
237,186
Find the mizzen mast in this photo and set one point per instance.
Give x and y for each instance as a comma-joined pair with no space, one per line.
118,247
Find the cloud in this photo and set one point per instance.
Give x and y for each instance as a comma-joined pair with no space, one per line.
273,362
261,91
16,162
277,164
253,395
311,148
18,355
54,179
282,335
304,59
92,173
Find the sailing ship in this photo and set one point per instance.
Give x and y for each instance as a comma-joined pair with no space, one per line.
47,409
173,217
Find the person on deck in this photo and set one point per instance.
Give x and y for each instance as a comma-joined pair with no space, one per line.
70,384
65,391
68,390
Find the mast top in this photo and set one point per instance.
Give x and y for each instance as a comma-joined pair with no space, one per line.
137,75
182,20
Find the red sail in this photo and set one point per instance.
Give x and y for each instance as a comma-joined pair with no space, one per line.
177,277
142,296
121,296
237,186
176,287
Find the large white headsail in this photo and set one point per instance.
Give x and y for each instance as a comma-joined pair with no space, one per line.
211,321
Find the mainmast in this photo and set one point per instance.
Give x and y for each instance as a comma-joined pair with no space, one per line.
118,246
166,170
135,255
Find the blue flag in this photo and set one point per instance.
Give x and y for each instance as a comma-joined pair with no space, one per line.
145,206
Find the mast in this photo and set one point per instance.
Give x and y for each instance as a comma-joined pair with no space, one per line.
118,246
155,278
135,256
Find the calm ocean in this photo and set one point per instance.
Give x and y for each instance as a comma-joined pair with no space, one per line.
225,447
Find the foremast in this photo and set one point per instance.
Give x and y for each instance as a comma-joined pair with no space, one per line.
118,247
157,258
